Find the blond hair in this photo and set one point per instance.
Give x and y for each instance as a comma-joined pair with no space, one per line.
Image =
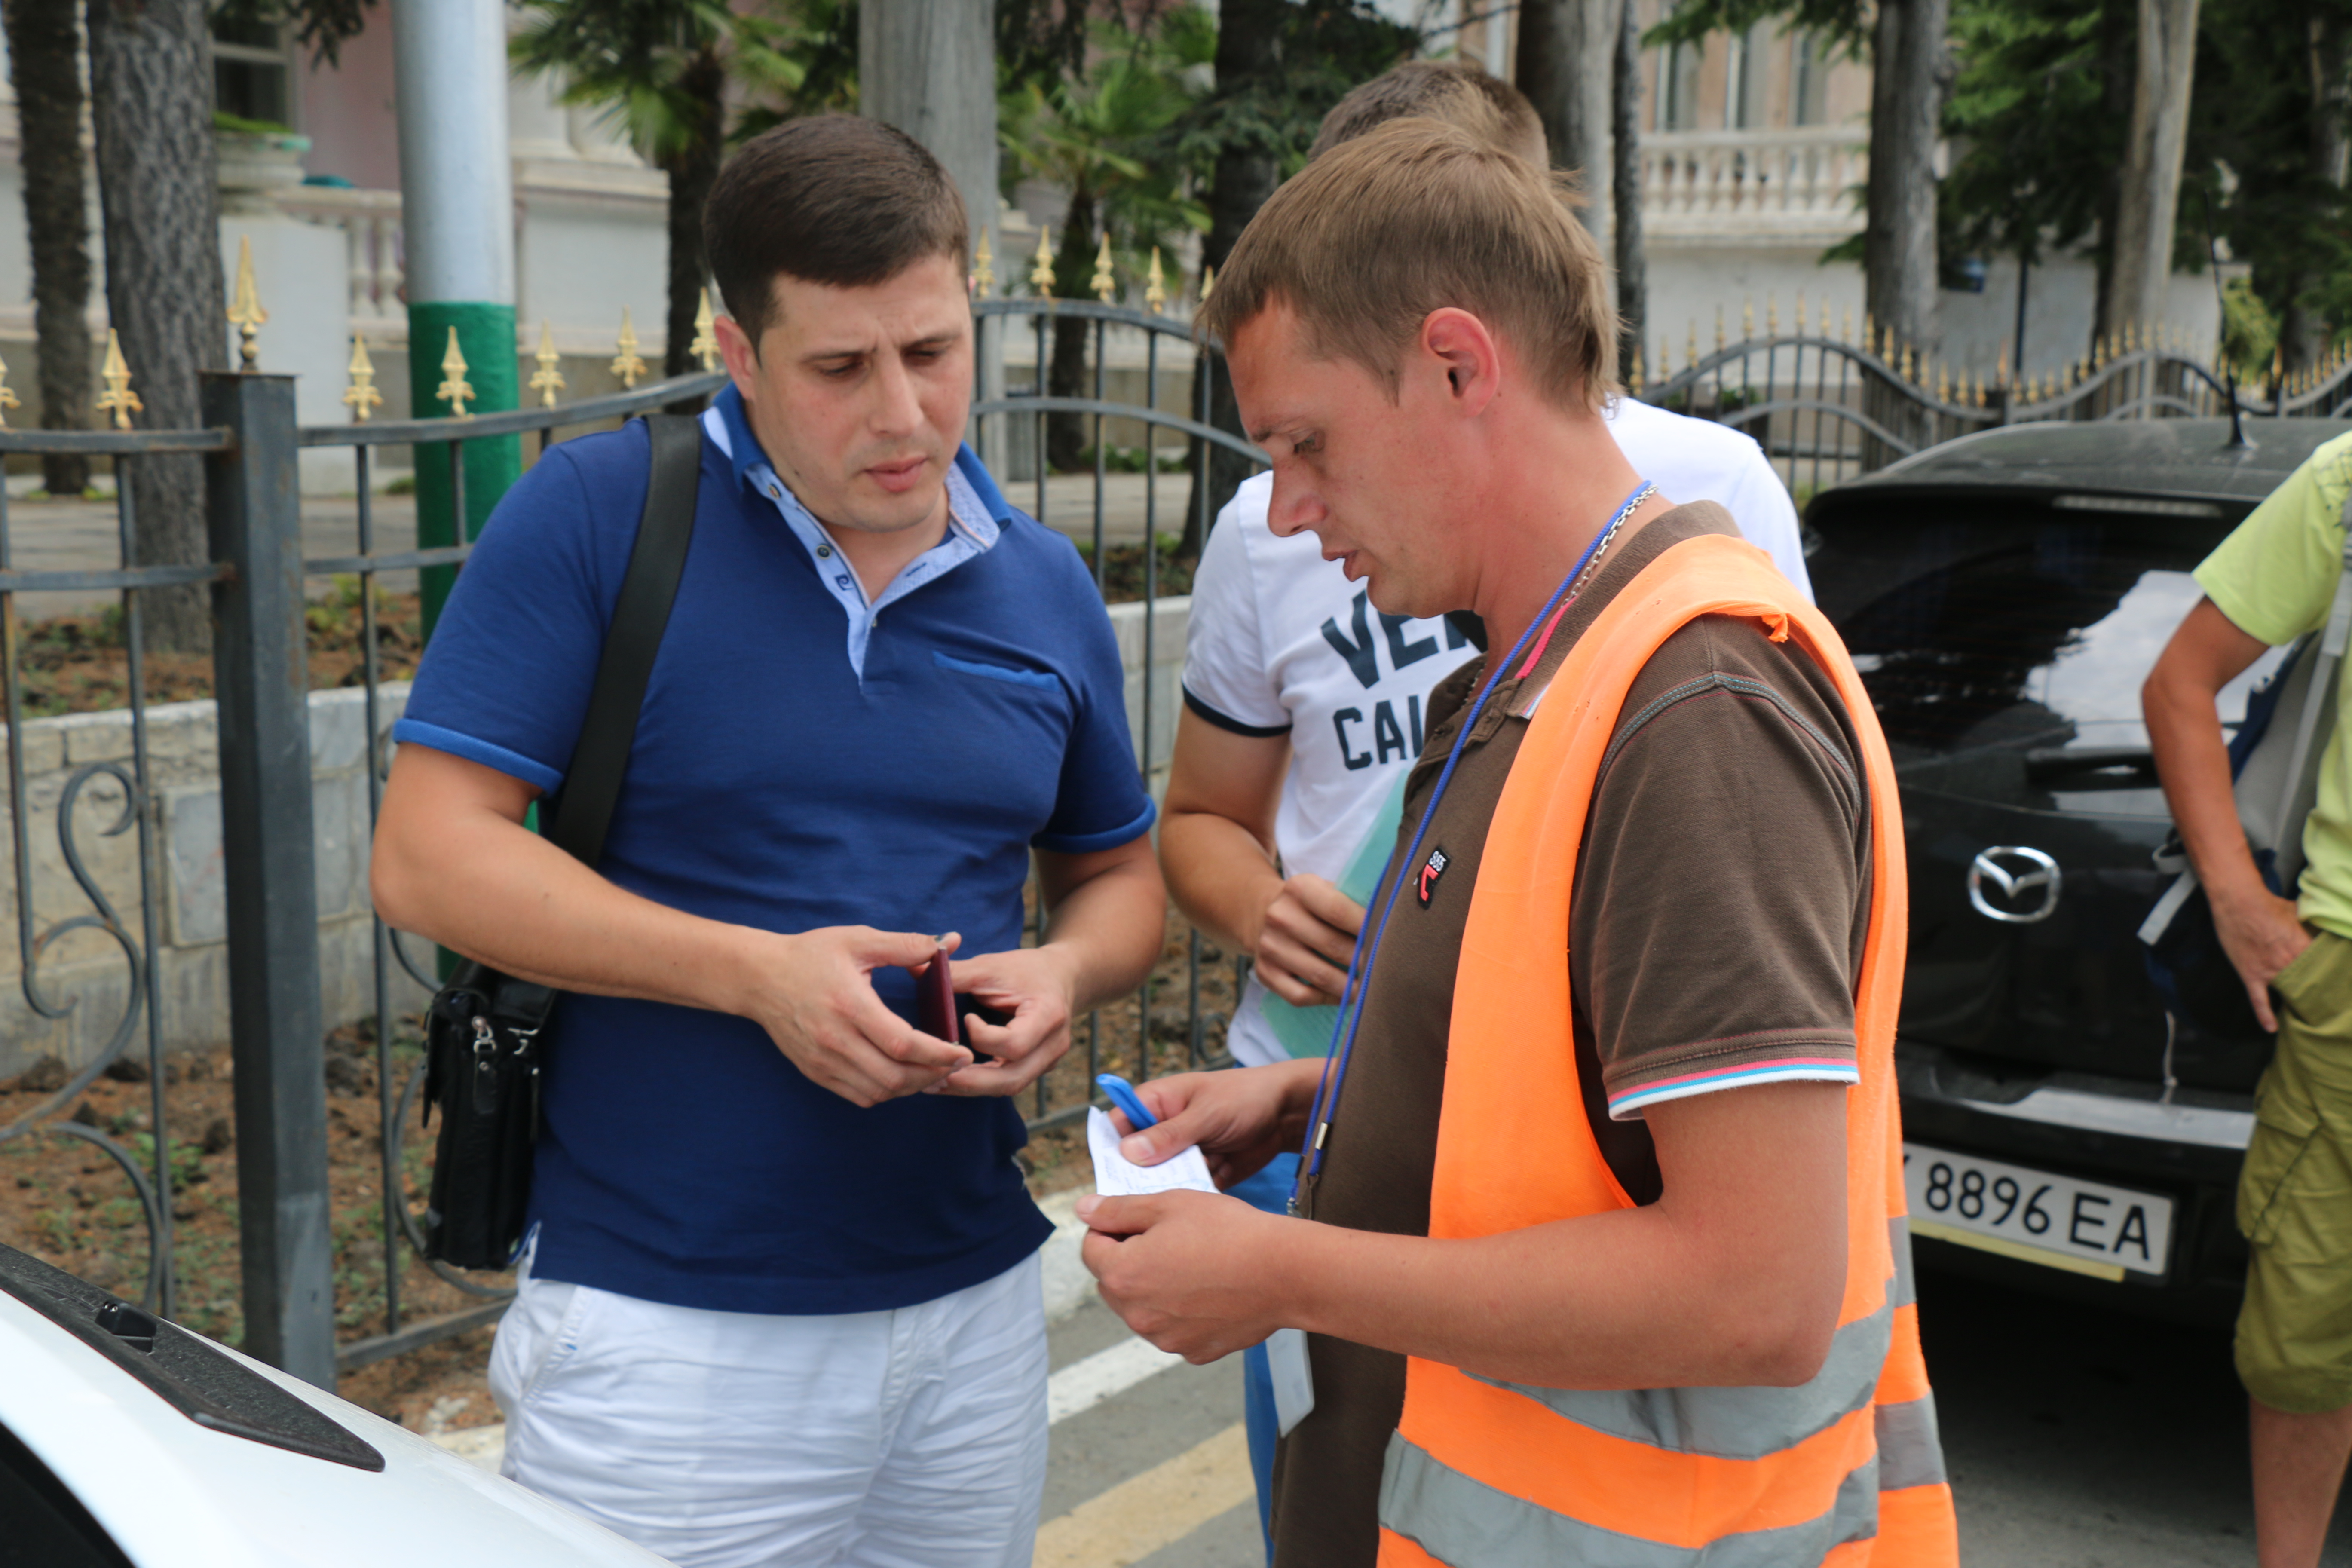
1485,105
1411,217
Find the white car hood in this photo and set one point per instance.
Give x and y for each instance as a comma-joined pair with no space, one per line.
173,1494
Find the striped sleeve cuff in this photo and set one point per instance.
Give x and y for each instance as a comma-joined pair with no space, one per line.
1817,1061
1223,721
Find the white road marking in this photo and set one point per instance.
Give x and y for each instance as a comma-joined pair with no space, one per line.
1106,1374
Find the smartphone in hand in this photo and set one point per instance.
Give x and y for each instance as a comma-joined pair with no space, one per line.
939,1012
935,1002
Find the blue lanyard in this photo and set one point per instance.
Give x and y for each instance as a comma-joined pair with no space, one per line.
1359,973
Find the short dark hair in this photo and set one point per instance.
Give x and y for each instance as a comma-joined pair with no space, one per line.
1459,94
1368,239
832,199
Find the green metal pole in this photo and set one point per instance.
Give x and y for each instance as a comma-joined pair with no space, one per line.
457,218
486,341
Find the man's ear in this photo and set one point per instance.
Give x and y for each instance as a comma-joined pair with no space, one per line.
1464,350
736,348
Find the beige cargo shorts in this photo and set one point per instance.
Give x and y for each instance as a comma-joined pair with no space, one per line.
2295,1196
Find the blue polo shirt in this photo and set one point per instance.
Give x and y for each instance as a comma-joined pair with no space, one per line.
803,759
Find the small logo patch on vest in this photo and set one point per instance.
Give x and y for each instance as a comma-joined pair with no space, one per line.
1425,886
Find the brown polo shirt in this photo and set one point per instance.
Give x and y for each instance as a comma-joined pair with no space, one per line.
1717,918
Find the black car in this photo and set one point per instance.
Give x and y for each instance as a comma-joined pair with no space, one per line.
2004,595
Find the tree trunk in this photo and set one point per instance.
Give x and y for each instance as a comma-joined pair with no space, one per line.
1248,32
2303,331
1568,68
2149,191
44,67
1906,97
151,66
691,174
1066,434
1632,262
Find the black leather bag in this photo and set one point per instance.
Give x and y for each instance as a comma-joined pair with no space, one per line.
485,1033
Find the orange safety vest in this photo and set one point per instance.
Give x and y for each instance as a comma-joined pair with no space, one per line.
1844,1469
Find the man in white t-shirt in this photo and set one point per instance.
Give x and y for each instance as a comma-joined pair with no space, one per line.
1304,705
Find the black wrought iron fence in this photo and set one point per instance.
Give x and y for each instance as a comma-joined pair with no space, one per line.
1826,408
302,1248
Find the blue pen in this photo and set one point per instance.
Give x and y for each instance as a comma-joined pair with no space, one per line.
1122,1094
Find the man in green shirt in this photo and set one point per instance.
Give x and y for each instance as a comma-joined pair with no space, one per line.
2271,582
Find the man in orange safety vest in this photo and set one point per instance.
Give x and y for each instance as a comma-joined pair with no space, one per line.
1602,1257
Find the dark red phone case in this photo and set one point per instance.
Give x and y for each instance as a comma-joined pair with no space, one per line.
935,1002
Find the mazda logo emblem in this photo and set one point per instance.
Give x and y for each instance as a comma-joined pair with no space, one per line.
2039,871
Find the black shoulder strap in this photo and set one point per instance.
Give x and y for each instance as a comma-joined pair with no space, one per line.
591,785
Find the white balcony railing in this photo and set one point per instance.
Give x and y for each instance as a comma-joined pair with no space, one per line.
370,224
1733,183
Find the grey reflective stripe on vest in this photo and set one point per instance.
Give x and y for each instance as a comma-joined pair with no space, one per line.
1905,1289
1910,1452
1469,1524
1746,1422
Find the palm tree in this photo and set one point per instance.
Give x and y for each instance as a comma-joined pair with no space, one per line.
662,67
1092,137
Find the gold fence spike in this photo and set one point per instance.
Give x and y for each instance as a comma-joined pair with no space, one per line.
705,346
547,380
1718,327
1772,315
117,399
1155,288
361,394
1208,281
1800,312
1690,358
1104,286
1747,317
245,311
1943,383
627,364
8,399
983,269
1666,356
1633,372
1869,334
2000,367
455,389
1041,277
1910,365
1846,337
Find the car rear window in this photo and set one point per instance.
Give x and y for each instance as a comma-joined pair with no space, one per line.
2014,628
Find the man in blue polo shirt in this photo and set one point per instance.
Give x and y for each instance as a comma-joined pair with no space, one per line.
780,1300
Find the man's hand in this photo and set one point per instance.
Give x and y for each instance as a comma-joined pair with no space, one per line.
2258,928
2263,934
1307,942
1038,986
1241,1117
1188,1272
815,994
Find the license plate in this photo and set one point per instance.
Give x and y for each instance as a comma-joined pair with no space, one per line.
2087,1227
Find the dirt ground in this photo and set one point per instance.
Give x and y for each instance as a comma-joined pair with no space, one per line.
81,664
66,1201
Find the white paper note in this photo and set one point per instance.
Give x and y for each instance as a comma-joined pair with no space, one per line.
1116,1176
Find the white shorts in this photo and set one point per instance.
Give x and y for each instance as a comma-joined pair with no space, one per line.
913,1439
